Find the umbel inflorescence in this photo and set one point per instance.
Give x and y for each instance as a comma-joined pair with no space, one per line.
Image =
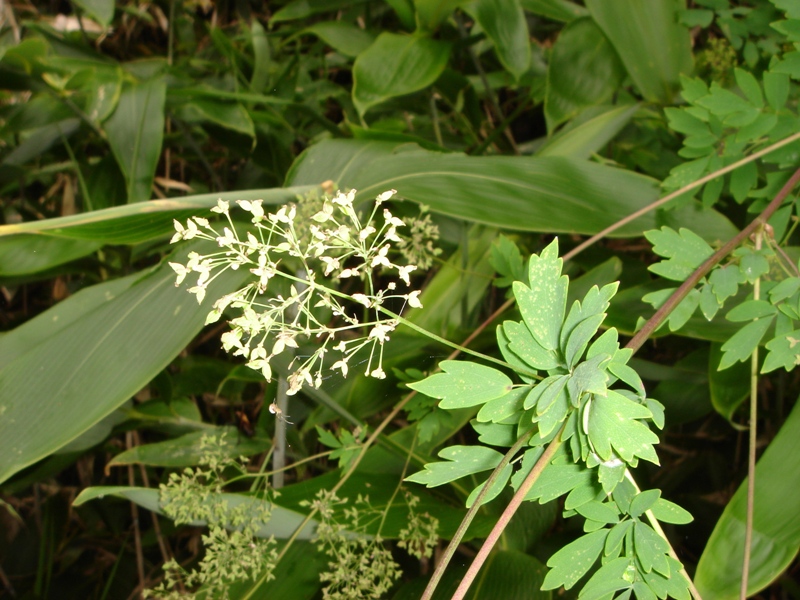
314,258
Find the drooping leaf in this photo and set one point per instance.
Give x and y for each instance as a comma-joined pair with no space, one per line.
460,462
464,384
584,70
776,526
548,194
135,132
94,364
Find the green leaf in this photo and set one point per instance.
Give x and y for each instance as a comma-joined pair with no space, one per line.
669,512
589,132
506,259
654,47
776,527
776,89
187,450
501,408
282,525
602,512
557,10
751,309
461,461
504,23
651,549
464,384
557,479
261,57
396,65
584,70
230,115
741,345
95,364
345,38
607,580
750,86
526,350
685,251
497,487
300,9
135,131
548,194
543,304
783,351
728,388
35,246
574,560
643,501
613,424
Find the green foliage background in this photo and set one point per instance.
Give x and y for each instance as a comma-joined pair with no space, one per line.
512,121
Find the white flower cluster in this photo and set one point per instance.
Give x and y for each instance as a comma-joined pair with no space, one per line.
338,245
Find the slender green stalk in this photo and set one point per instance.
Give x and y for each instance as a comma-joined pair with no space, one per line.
751,449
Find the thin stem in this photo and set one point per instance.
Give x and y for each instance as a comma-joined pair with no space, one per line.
468,518
611,228
751,453
508,513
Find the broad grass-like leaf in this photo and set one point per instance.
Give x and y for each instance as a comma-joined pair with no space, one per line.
35,246
654,47
135,131
58,389
282,525
461,461
100,10
776,527
584,70
463,384
557,10
186,450
396,65
548,194
589,132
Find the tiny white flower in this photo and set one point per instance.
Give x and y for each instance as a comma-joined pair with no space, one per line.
348,273
331,264
404,271
361,298
201,221
380,258
179,231
378,374
222,207
366,232
413,299
385,196
391,220
181,271
227,238
380,331
340,364
199,291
